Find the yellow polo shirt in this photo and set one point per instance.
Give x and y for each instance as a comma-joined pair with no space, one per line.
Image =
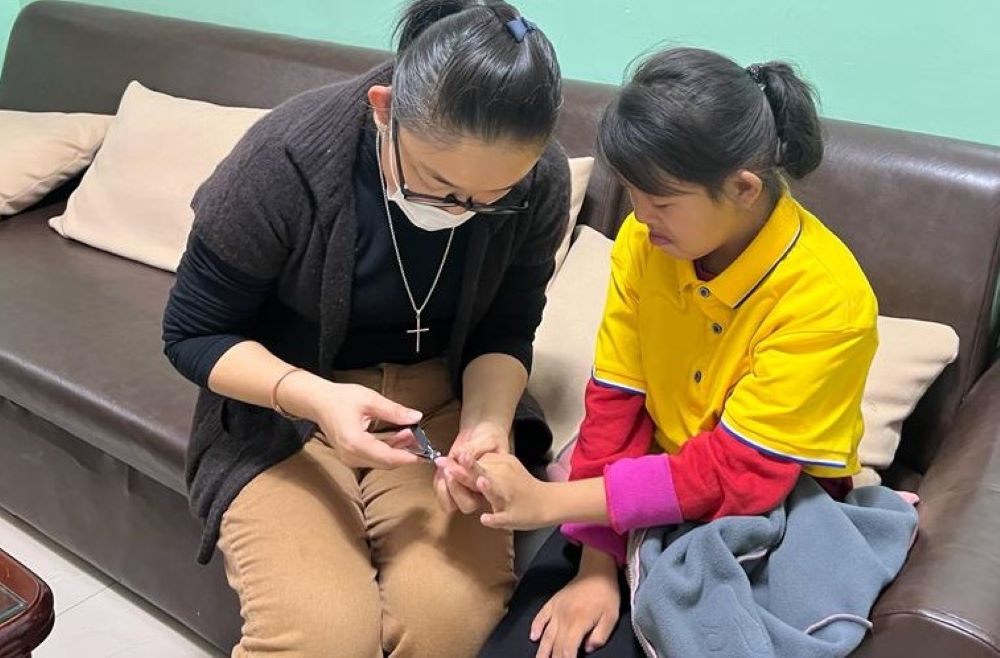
776,348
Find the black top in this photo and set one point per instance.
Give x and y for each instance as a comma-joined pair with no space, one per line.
381,313
213,296
279,215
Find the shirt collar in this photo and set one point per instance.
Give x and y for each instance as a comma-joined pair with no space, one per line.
758,260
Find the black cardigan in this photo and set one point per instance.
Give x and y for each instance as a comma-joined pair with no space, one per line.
280,209
211,297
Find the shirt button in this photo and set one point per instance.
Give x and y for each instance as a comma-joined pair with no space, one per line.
716,328
697,376
704,292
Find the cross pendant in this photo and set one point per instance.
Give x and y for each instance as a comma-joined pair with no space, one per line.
418,331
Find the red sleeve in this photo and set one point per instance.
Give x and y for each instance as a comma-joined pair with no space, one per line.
715,475
616,425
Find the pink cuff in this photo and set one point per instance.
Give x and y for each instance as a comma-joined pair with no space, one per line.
640,493
594,535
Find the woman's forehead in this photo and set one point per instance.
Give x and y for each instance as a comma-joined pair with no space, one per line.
469,163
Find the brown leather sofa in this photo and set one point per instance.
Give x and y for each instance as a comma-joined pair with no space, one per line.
94,422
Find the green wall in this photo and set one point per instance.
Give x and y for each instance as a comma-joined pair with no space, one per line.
8,10
925,66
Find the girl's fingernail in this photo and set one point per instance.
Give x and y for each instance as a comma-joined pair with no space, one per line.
441,462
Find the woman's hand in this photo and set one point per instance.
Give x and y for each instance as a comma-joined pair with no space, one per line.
455,480
345,412
519,500
584,612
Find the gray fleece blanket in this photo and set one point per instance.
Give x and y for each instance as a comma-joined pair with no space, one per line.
799,581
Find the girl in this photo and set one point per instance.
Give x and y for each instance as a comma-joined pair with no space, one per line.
371,253
734,348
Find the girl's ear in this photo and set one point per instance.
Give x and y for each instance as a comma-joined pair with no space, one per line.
743,188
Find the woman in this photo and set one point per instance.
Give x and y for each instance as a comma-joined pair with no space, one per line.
373,254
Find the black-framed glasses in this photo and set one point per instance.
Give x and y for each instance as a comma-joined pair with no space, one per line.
452,201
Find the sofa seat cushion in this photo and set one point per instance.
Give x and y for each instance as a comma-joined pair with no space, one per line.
80,346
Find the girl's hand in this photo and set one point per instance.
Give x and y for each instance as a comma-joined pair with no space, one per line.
584,612
518,499
455,481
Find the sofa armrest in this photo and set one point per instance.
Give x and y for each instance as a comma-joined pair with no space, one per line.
946,600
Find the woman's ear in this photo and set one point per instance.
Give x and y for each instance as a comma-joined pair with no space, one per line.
743,188
380,98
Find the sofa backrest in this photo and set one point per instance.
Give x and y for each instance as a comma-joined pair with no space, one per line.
72,57
921,213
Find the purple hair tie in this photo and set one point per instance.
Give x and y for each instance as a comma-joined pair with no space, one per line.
519,28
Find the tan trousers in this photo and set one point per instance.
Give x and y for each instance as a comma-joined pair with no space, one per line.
332,561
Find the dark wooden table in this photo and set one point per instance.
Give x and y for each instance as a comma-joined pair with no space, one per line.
25,630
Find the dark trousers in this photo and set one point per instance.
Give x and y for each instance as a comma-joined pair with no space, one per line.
552,569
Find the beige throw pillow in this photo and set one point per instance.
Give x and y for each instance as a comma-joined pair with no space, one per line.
134,200
910,357
579,173
564,342
39,151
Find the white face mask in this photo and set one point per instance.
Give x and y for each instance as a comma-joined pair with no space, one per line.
422,216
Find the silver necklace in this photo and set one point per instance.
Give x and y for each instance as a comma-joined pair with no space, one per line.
419,330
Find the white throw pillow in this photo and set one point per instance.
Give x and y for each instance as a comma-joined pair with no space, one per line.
134,200
39,151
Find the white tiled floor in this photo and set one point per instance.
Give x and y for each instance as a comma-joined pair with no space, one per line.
95,617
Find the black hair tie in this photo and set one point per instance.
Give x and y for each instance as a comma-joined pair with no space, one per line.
757,73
